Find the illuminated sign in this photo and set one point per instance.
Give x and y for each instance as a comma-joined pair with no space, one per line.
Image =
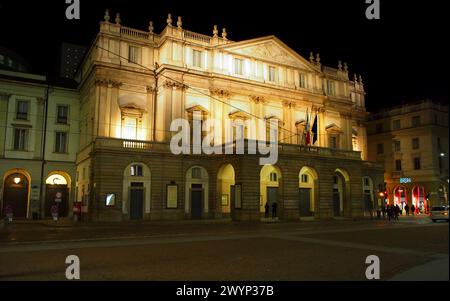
405,180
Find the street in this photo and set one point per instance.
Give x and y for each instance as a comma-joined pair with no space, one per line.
411,249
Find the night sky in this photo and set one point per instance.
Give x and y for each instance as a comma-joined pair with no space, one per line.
402,57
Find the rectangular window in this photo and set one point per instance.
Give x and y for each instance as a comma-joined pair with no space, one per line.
22,110
196,173
272,74
397,124
416,121
398,165
197,58
333,142
62,114
415,143
273,177
61,142
380,148
330,87
302,80
397,146
136,171
129,128
133,54
379,127
416,163
305,179
20,139
238,69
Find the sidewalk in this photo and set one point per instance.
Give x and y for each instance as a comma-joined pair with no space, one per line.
436,270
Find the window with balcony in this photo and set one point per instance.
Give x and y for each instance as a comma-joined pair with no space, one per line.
415,143
330,87
20,139
62,114
397,124
61,142
302,81
133,54
197,58
272,74
22,110
129,128
333,142
238,66
398,165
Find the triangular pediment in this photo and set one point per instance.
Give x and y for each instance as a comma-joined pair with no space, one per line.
270,49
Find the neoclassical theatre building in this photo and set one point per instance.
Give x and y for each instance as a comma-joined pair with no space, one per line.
133,83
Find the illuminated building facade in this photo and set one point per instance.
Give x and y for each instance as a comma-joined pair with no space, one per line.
135,83
412,142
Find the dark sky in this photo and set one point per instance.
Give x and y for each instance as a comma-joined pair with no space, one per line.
402,57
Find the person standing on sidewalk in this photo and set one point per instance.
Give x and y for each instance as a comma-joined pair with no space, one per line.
396,212
274,210
413,209
407,209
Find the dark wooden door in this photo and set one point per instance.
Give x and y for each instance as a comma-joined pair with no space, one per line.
272,197
136,203
16,196
196,201
304,196
336,202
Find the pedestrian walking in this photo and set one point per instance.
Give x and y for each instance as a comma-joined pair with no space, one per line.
383,211
407,209
274,210
267,210
389,212
396,212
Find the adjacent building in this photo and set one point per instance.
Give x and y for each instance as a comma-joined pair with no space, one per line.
411,140
39,140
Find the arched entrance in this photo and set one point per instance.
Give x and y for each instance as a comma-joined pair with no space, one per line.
136,191
341,191
16,187
418,199
197,189
401,197
270,178
57,193
225,189
308,180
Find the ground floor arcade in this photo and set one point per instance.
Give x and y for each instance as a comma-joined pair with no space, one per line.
148,184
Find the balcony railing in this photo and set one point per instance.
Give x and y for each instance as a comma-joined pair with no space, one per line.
137,145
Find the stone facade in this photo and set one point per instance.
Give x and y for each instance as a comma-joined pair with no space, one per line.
134,83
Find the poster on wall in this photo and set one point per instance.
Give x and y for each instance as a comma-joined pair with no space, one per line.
172,196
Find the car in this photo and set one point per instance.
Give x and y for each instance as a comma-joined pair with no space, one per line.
439,213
